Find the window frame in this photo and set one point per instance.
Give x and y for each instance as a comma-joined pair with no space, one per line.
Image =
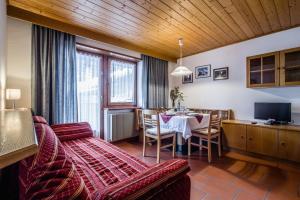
108,88
105,79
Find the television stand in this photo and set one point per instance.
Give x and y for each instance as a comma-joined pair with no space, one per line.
274,141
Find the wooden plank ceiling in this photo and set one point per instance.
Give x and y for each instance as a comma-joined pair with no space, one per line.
154,26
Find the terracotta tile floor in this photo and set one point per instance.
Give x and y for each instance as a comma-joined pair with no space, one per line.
227,178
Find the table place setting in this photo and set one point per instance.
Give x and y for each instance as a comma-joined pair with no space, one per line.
184,121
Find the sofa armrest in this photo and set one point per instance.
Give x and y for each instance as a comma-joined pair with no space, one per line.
150,181
71,131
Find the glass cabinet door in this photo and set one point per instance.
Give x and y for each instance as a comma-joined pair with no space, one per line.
263,70
268,69
255,71
290,67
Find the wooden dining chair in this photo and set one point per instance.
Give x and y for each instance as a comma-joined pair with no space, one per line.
211,134
153,131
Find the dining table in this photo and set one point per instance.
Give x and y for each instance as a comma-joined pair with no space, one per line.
184,124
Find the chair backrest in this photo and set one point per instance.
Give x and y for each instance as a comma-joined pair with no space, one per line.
138,119
214,121
223,114
151,120
139,116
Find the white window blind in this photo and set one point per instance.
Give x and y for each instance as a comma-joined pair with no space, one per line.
122,81
88,89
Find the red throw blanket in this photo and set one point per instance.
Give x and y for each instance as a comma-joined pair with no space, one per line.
83,167
50,173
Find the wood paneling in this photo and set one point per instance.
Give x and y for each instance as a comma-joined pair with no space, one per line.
153,26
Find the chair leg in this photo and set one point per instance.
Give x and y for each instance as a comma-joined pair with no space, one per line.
209,150
158,150
200,143
219,146
189,146
174,146
144,145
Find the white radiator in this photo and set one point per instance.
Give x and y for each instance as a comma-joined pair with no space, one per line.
118,125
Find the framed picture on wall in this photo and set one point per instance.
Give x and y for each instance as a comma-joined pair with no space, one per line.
203,71
221,73
187,78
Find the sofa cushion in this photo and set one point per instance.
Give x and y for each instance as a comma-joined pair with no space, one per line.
39,119
158,177
71,131
50,173
102,164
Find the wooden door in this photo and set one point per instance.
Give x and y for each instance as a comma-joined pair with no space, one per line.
234,136
262,140
290,67
263,70
289,145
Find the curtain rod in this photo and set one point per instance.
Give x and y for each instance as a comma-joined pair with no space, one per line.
107,52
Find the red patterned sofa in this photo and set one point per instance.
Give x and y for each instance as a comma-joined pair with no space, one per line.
71,164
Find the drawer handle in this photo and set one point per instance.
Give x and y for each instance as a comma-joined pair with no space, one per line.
282,144
250,139
242,137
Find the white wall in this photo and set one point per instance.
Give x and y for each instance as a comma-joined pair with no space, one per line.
19,60
2,51
232,93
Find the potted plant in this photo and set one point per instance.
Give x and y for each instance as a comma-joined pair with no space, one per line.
175,94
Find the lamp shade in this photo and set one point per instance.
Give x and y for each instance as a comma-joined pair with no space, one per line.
181,71
13,94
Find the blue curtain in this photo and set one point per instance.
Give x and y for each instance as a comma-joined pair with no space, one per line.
155,84
54,89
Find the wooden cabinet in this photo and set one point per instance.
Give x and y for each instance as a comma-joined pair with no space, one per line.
234,136
262,140
276,141
289,145
274,69
290,67
262,70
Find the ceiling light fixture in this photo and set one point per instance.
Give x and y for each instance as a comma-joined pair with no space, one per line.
181,70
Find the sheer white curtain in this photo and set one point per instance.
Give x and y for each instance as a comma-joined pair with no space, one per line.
122,81
88,89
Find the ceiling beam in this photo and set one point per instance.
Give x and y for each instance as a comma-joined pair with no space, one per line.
80,31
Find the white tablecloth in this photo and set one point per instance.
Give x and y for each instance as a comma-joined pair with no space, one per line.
185,124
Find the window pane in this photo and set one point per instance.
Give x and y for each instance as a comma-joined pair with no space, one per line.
88,89
122,82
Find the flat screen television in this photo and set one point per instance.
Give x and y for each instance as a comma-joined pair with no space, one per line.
280,113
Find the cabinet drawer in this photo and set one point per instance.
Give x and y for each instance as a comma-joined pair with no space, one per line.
234,136
289,145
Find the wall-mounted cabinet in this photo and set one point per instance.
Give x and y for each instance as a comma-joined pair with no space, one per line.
290,67
274,69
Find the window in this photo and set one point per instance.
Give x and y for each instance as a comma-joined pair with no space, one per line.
122,82
88,89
